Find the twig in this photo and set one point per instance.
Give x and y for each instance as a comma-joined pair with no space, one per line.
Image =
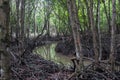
16,73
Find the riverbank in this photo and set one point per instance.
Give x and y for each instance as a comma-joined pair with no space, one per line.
34,67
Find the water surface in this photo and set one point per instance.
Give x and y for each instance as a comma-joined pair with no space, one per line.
48,52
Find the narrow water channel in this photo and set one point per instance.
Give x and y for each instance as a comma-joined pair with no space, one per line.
48,52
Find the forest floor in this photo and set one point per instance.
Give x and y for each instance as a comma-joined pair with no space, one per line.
34,67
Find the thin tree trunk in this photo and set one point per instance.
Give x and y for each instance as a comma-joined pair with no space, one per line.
73,14
93,31
20,6
98,27
88,13
48,17
113,25
108,20
83,16
22,35
29,10
7,8
109,10
58,23
18,18
34,23
22,18
4,36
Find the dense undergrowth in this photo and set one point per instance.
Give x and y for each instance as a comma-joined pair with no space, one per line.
34,67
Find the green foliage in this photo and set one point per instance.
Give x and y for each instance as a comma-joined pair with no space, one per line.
59,14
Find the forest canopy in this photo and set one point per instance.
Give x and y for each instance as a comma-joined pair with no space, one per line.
40,13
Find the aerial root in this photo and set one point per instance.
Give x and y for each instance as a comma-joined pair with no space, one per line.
95,72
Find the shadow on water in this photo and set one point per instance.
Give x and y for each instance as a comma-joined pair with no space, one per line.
48,52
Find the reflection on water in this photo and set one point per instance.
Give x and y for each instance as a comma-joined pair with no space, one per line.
48,52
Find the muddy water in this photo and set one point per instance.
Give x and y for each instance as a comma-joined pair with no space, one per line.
48,52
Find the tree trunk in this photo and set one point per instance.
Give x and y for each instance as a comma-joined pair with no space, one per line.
48,12
86,26
20,6
98,27
108,20
88,14
34,19
29,10
95,46
18,19
109,9
22,18
47,8
113,25
34,23
73,15
4,36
